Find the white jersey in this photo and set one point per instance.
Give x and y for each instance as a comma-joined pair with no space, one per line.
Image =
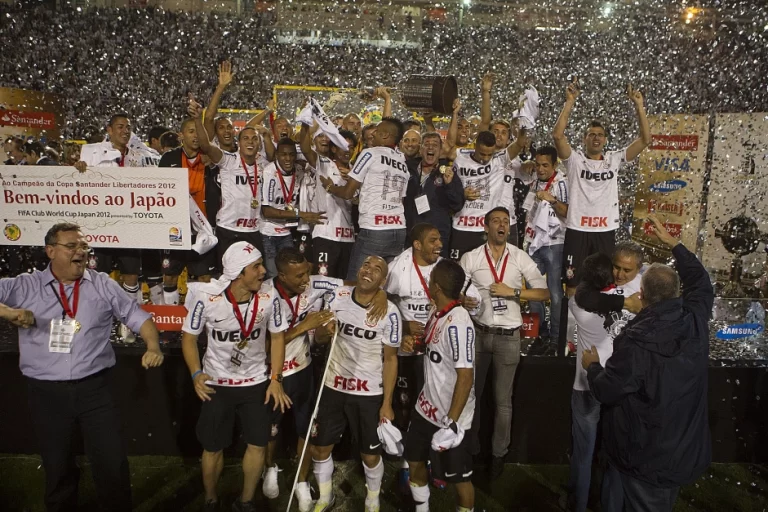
295,310
594,190
338,212
224,361
104,154
238,212
596,331
356,366
384,177
489,179
452,346
279,193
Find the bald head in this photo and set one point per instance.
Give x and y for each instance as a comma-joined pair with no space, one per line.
659,283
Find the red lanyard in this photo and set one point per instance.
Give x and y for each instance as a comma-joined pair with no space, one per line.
496,277
239,315
121,162
293,307
421,277
70,312
255,185
432,322
549,182
287,194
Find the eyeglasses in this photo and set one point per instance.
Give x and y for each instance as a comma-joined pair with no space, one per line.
73,247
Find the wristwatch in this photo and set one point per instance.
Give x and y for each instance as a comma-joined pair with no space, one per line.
518,291
277,377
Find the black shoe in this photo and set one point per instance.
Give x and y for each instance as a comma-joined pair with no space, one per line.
211,506
243,506
496,467
537,348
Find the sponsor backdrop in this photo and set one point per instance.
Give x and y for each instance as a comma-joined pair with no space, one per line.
29,114
738,184
671,178
136,207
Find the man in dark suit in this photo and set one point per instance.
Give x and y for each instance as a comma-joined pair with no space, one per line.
34,154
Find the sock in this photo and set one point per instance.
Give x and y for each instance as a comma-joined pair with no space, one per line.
404,464
373,476
171,295
420,497
323,470
156,295
135,292
464,509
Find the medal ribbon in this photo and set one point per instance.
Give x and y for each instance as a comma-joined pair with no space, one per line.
496,277
432,322
245,333
255,185
293,307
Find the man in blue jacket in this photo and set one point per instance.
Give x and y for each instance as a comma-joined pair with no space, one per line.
654,388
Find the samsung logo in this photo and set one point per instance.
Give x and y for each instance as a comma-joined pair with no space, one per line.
668,186
734,332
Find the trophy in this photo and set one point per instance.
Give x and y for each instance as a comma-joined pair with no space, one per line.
740,236
425,93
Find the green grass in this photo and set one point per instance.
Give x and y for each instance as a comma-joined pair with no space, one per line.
173,484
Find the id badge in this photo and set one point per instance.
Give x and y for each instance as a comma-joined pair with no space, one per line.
499,305
422,204
530,200
236,359
62,333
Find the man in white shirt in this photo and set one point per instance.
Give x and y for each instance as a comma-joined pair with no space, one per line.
498,269
361,375
381,175
446,404
233,379
547,205
619,276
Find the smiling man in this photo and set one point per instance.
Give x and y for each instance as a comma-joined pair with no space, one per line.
65,317
360,381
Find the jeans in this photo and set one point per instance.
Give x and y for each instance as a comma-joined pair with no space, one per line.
549,259
585,414
386,243
59,409
504,353
624,493
272,245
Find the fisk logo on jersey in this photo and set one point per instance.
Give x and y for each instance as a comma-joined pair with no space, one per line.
429,410
387,220
350,384
594,222
471,221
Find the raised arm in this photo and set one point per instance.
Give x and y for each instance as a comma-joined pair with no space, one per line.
306,146
429,122
258,119
225,78
518,146
195,110
383,93
558,132
448,149
485,104
644,140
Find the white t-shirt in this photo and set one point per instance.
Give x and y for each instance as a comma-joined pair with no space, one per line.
559,189
223,361
338,212
592,331
489,178
356,366
237,211
278,193
451,347
104,154
297,350
384,177
594,191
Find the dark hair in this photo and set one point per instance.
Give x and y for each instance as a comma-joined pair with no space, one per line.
288,256
347,135
432,135
597,124
156,132
497,209
596,271
286,141
396,124
36,147
18,142
240,133
409,124
169,140
486,138
92,133
117,116
660,283
52,236
218,120
186,121
420,230
549,151
630,248
368,127
450,277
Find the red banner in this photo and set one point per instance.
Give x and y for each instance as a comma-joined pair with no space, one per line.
39,120
166,318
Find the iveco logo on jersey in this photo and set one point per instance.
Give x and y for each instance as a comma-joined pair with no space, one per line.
233,336
735,332
357,332
243,180
597,176
475,171
391,162
665,187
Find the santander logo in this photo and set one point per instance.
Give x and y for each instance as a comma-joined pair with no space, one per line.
43,120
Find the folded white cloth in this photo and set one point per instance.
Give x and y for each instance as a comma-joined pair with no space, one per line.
528,112
314,112
450,436
391,438
205,240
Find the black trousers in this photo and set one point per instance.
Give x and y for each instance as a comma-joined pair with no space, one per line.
623,493
59,409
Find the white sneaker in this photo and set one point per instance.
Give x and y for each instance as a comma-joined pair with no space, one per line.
271,488
372,500
126,334
304,497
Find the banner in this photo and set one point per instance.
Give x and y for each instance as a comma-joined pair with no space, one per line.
671,179
166,318
29,114
125,207
738,185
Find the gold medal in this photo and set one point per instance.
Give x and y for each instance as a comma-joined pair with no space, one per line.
254,203
289,207
443,168
77,326
242,344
